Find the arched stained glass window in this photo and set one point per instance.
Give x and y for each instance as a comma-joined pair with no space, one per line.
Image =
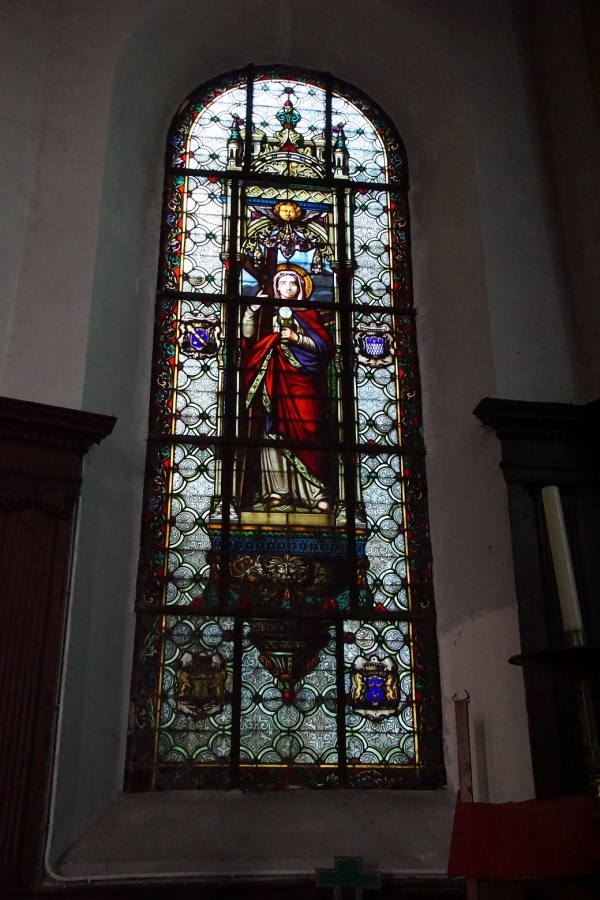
285,615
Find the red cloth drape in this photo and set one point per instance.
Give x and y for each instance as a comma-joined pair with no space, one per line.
533,839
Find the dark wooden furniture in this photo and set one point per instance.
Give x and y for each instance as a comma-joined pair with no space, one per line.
41,453
551,443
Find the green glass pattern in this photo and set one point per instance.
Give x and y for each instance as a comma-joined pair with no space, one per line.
285,723
202,240
190,500
371,229
368,159
382,491
206,147
377,378
384,736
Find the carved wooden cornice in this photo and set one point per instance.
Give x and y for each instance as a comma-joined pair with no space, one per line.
545,443
544,421
22,420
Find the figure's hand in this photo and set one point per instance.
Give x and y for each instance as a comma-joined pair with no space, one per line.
288,335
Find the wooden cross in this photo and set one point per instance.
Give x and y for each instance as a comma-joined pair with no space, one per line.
347,874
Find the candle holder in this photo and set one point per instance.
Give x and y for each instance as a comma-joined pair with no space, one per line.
581,662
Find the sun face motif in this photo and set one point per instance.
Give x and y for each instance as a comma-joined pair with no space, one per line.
285,568
287,211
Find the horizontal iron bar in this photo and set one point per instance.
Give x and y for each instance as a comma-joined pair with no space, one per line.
244,299
286,181
393,616
196,440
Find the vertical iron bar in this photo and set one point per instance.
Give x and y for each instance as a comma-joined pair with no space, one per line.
236,701
228,461
247,162
347,407
347,381
229,392
341,702
328,125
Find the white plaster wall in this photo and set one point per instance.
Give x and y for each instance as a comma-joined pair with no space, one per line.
572,133
22,54
491,309
528,297
47,339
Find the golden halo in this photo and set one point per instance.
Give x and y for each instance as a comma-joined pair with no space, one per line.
308,282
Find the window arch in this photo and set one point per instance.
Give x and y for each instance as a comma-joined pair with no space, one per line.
286,630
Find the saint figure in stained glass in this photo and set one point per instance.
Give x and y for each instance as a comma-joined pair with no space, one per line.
286,630
284,375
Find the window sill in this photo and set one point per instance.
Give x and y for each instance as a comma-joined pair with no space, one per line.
211,834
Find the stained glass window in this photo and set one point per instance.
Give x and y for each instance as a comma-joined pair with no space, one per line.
286,632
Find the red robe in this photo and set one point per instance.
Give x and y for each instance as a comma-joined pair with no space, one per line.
295,382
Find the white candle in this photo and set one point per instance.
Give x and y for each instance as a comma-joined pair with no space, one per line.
563,567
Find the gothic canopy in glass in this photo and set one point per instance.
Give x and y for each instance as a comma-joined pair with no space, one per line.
285,613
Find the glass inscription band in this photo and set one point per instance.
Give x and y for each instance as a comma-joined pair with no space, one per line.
286,626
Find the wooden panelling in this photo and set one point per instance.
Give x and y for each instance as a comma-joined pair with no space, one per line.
541,444
41,448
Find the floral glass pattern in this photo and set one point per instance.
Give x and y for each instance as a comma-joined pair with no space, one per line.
286,630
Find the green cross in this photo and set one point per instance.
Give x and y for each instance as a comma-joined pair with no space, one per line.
347,873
